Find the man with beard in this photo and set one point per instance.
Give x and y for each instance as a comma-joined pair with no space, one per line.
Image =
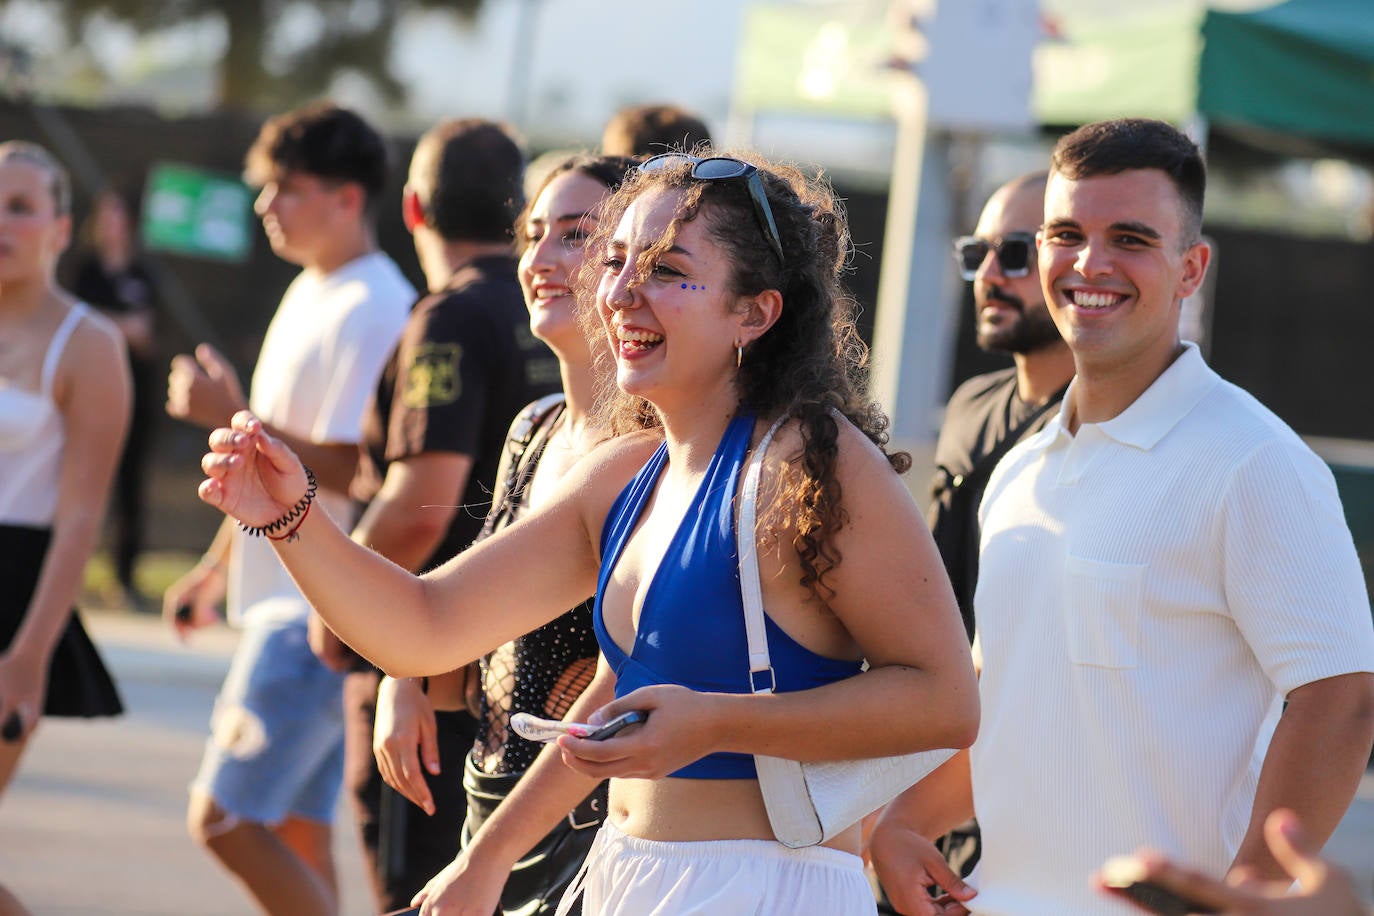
990,413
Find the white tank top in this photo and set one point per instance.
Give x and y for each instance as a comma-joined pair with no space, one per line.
32,435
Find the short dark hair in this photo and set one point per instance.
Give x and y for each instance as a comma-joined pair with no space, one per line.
469,177
323,140
644,130
1112,147
39,157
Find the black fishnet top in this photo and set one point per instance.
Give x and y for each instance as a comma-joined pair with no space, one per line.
542,672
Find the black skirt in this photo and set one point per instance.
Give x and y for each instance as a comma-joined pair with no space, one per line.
78,682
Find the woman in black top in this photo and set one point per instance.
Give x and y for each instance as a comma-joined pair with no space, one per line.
546,670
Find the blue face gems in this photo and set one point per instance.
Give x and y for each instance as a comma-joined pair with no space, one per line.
702,287
684,286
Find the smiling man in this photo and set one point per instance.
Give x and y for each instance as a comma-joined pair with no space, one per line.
1162,567
990,413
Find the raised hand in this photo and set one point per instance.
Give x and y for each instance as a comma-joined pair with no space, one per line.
203,389
250,476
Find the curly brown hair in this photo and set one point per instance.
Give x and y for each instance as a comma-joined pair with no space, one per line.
811,365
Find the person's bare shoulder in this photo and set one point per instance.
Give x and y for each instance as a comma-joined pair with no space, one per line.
599,476
856,454
94,355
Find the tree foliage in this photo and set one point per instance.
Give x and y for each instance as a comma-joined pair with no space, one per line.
261,71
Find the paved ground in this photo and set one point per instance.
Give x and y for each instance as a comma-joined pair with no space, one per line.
93,823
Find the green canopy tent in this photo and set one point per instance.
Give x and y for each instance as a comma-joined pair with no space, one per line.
1299,77
1296,76
1304,68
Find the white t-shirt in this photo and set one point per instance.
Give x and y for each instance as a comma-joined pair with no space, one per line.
1149,591
319,364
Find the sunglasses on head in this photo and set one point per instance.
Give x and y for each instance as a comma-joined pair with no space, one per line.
725,168
1014,252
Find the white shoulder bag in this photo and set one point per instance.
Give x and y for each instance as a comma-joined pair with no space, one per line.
808,803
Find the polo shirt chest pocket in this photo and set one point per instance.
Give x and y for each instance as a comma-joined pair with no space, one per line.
1103,605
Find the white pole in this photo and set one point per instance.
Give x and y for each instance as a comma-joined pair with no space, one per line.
914,326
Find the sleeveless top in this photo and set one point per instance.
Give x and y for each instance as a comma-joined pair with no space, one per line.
545,670
32,435
691,627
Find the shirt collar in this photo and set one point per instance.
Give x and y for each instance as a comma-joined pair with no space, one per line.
1158,409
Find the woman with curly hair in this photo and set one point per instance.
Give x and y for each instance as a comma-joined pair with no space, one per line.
718,294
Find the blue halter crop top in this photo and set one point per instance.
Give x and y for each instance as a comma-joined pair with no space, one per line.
691,627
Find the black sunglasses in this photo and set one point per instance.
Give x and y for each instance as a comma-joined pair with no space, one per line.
1014,252
725,168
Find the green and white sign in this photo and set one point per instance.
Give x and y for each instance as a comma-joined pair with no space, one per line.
194,212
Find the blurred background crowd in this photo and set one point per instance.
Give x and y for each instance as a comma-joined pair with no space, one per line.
916,111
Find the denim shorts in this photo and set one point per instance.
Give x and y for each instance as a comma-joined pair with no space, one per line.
276,743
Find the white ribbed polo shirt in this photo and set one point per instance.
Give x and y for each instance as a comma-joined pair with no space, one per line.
1149,590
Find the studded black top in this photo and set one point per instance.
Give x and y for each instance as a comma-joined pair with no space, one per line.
544,671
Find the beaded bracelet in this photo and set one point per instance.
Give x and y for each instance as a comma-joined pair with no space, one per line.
298,511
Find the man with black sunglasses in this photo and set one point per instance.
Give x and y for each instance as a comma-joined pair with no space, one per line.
990,413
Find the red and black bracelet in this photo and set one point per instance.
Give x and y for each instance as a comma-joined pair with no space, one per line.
292,520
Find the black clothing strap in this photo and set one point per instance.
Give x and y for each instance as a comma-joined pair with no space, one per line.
524,445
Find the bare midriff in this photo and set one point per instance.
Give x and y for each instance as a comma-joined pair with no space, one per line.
687,810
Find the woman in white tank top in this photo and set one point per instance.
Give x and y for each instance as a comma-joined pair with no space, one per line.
64,410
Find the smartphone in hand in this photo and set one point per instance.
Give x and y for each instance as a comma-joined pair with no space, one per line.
1125,877
533,728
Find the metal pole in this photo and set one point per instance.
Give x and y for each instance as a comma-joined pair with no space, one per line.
914,323
526,21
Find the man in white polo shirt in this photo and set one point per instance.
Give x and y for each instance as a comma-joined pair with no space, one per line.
1161,568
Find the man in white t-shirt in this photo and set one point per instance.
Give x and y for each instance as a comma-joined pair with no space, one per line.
1161,568
268,785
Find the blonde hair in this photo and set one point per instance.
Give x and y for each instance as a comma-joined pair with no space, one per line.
32,153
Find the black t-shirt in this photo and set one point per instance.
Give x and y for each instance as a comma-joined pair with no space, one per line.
980,416
465,366
128,290
125,292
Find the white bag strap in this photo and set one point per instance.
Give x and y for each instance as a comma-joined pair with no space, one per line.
746,542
